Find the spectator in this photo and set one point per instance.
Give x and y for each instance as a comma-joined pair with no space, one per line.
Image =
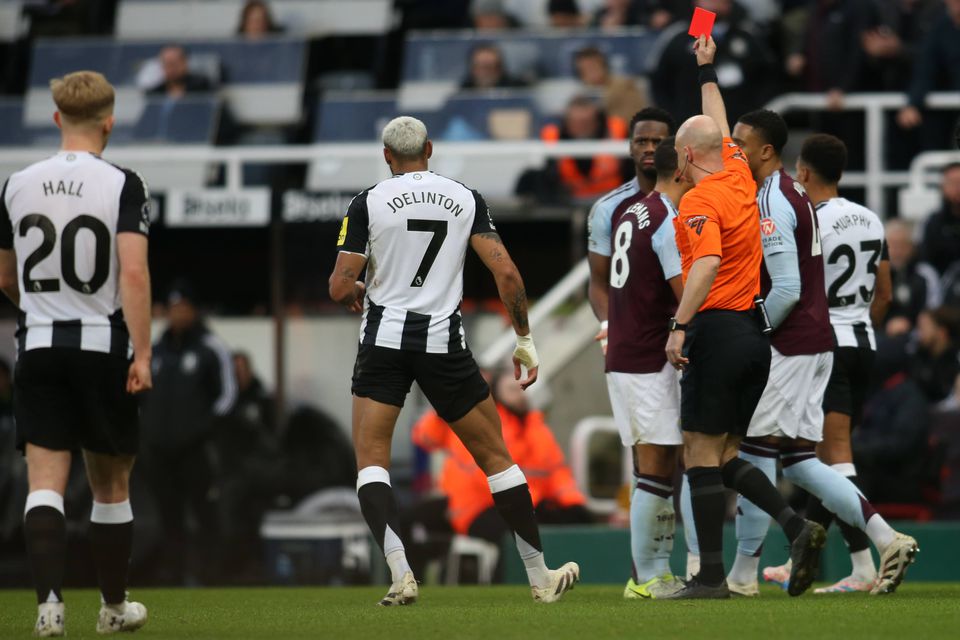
490,15
533,447
621,97
890,443
316,455
193,386
487,70
941,234
743,63
256,21
586,177
936,362
656,14
254,404
891,45
177,79
916,284
935,69
564,14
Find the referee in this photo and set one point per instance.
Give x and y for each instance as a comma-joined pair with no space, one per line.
717,339
411,233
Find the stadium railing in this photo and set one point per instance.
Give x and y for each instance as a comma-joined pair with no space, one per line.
874,106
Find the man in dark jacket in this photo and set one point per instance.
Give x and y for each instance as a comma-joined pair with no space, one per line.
941,234
194,385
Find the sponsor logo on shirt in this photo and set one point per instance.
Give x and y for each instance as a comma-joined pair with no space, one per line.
768,227
343,232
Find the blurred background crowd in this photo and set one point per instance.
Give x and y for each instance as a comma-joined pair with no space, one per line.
219,451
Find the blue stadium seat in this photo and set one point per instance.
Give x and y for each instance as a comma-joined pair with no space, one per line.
438,57
190,120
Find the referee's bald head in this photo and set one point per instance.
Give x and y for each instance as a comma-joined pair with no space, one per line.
701,135
406,138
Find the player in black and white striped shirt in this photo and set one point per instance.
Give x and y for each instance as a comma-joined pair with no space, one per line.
411,232
73,257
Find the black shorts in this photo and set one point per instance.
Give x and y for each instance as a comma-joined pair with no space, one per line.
849,379
729,365
451,381
66,399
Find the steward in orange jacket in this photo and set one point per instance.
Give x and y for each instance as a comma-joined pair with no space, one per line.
587,177
532,446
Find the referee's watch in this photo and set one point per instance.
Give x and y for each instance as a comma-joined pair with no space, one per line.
673,325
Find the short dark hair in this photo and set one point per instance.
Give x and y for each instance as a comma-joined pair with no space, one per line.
665,159
826,155
948,318
563,6
656,114
770,126
589,51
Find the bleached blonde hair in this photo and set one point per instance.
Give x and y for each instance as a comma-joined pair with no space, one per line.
83,97
406,137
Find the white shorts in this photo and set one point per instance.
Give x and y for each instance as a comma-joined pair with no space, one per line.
646,406
792,402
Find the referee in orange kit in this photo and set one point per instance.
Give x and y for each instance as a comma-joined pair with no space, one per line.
718,339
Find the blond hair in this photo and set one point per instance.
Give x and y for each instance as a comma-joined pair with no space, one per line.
406,137
83,97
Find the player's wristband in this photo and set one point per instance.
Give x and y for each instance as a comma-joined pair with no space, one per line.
707,74
525,352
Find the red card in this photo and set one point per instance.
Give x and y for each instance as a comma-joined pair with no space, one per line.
702,23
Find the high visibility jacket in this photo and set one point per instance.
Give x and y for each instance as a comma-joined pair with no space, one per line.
604,174
530,443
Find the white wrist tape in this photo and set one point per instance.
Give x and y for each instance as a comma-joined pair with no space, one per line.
525,352
603,327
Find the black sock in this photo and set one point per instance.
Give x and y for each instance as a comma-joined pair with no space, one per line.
112,545
45,530
709,506
748,481
818,513
857,539
516,508
379,508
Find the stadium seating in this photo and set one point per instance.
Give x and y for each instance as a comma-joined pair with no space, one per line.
197,19
263,80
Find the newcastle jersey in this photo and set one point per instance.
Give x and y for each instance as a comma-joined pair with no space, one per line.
853,246
414,229
62,216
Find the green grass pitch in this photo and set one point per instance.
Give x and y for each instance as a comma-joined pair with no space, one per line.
917,611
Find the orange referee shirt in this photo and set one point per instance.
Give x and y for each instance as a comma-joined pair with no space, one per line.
719,217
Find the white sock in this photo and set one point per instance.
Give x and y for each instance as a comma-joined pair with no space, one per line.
689,528
879,532
537,573
744,570
863,567
395,554
647,532
837,493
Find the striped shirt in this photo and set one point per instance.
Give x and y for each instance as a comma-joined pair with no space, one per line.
414,229
853,247
61,216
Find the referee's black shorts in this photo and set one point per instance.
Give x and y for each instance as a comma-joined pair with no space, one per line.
849,379
67,399
729,365
450,381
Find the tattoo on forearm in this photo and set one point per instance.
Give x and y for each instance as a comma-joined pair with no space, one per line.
518,309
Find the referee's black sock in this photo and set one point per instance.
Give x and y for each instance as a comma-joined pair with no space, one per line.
752,484
45,531
111,537
709,505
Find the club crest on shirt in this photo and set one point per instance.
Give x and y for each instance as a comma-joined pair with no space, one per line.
696,223
768,227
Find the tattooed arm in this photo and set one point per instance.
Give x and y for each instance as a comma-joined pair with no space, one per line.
345,289
510,286
494,255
